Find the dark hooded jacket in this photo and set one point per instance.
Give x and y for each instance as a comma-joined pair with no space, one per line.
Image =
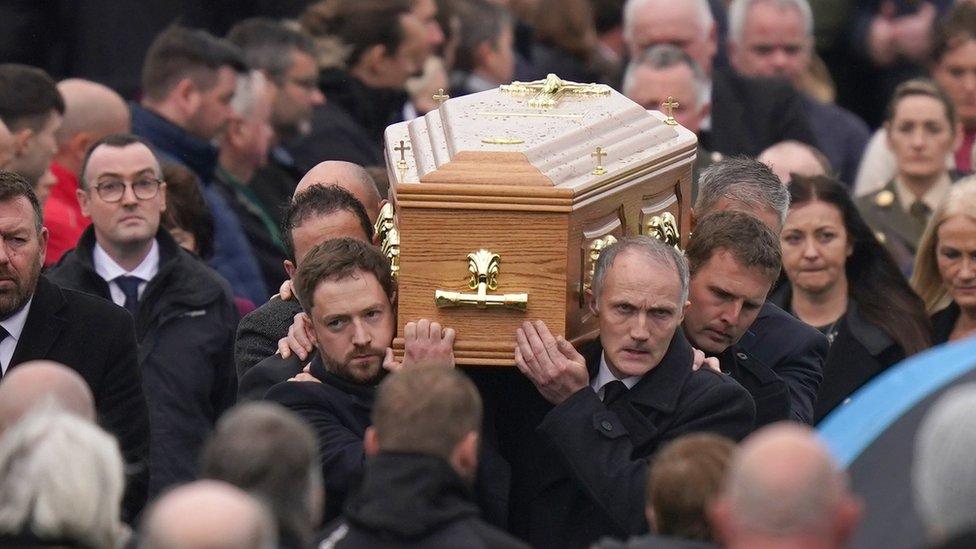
413,500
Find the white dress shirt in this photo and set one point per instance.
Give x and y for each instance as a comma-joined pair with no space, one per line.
604,376
108,269
14,324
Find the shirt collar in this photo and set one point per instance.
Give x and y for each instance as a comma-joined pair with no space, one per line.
931,198
108,269
604,376
14,324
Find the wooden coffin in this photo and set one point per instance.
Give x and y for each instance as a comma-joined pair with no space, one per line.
501,201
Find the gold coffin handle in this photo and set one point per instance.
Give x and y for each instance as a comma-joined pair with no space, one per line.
483,266
445,299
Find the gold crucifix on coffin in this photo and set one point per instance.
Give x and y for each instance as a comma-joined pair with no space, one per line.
546,93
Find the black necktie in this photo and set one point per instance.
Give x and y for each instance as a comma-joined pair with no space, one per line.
920,211
612,391
130,287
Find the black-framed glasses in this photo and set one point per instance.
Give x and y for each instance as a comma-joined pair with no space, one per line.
112,190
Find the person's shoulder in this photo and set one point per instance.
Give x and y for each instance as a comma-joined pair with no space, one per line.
775,320
493,537
274,312
880,199
83,304
265,375
305,394
651,541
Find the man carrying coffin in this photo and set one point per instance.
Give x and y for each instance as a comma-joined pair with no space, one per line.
580,456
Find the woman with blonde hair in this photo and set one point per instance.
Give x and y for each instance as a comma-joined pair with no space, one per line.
945,266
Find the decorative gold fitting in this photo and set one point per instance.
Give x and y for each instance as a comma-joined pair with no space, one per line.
502,141
599,169
547,92
483,266
389,236
592,257
670,105
664,227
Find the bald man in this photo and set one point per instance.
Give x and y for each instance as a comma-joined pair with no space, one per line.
792,157
208,514
312,218
92,111
43,381
785,490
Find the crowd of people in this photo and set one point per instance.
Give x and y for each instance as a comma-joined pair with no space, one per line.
196,321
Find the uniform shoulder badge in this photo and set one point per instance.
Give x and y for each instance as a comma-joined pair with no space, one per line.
884,198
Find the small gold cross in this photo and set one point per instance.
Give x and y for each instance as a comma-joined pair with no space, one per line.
402,149
599,154
440,96
670,105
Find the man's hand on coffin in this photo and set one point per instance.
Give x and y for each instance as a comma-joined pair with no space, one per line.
700,360
426,343
300,339
551,363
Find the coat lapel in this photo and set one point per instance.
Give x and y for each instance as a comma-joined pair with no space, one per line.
43,324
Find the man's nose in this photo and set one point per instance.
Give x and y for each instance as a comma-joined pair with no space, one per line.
639,329
731,313
360,335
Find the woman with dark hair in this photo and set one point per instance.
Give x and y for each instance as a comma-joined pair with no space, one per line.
842,281
945,268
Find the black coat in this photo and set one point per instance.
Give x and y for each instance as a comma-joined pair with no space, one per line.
412,500
579,468
185,328
750,114
339,413
256,382
259,331
943,322
859,352
793,351
350,125
95,338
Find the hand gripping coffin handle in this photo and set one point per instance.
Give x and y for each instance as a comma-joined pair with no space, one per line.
483,266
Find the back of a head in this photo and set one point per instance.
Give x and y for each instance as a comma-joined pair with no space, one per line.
684,478
744,181
92,108
783,484
426,410
61,478
944,473
351,177
793,157
40,382
272,454
207,514
355,26
179,53
28,96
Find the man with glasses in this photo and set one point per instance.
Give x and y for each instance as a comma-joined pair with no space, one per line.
184,312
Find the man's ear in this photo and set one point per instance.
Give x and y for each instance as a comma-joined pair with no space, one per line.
78,145
370,445
704,111
236,133
464,458
22,139
887,131
42,240
83,201
290,269
187,96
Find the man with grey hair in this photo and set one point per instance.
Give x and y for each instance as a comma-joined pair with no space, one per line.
665,71
793,351
286,56
603,411
784,490
943,471
747,115
268,451
207,514
774,39
61,483
244,148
